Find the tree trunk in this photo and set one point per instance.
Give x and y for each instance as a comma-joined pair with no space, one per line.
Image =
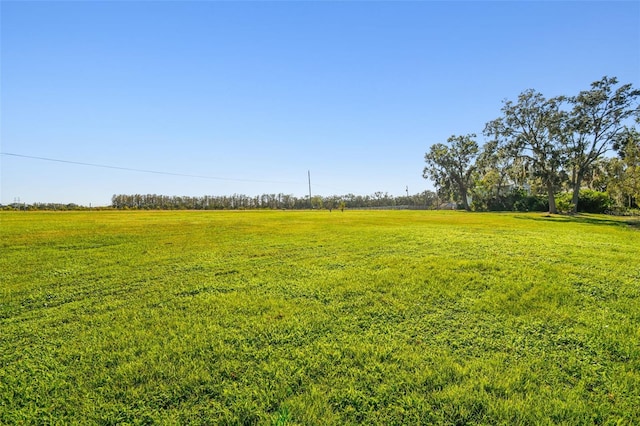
552,198
576,192
465,202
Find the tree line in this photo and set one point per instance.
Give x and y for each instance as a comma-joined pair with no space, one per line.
425,199
552,147
48,206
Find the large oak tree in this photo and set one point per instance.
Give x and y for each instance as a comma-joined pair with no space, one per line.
451,166
530,129
596,121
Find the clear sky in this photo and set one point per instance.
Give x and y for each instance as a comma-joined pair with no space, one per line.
257,93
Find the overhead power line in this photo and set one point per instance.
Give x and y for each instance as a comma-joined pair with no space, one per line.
131,169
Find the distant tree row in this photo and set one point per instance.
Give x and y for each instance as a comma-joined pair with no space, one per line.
46,206
423,200
426,200
553,147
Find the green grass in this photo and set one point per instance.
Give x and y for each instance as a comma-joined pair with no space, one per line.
361,317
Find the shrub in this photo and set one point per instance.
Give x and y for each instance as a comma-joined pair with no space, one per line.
564,204
531,203
594,201
516,200
589,201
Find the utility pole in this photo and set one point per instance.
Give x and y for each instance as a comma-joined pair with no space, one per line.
309,176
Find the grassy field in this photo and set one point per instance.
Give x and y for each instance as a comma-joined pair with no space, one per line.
361,317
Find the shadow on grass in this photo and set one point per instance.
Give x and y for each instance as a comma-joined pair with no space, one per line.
603,220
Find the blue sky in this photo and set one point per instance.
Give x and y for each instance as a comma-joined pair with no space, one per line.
257,93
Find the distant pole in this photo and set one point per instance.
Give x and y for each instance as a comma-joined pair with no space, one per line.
309,176
407,189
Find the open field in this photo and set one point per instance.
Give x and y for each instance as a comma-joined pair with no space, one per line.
361,317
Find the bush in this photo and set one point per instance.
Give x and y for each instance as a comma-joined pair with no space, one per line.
531,203
564,204
594,201
516,200
589,201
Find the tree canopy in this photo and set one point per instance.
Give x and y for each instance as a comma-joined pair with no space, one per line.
551,146
451,166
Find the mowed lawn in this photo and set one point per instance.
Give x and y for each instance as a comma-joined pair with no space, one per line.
355,317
